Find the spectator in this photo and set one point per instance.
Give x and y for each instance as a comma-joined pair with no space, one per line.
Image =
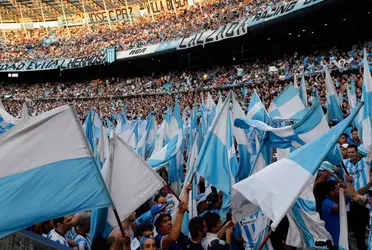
82,229
142,230
198,230
354,140
215,232
62,225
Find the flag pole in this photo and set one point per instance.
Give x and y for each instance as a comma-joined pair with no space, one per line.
119,222
264,241
344,168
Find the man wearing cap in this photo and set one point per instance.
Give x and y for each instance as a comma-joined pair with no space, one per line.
149,216
82,229
343,149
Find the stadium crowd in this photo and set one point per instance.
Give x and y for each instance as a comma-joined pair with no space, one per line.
140,93
54,43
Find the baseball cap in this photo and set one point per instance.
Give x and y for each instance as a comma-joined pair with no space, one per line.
362,150
157,208
345,145
326,166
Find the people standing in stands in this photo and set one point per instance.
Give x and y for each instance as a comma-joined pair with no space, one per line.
62,225
198,230
82,229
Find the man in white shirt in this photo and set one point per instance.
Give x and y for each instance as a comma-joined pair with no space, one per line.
212,241
62,225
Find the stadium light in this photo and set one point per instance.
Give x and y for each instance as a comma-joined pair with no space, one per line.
312,32
268,39
303,30
298,35
344,19
325,24
290,33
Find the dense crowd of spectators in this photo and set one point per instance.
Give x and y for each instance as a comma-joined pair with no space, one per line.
141,93
43,44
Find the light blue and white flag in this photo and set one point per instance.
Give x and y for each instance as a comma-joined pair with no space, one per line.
343,242
304,131
333,105
256,109
366,111
244,147
303,89
133,138
192,206
295,81
352,100
305,225
48,171
210,103
166,154
270,190
213,160
287,105
146,143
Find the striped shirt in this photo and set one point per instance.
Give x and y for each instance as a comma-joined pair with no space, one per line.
82,243
57,237
253,229
359,171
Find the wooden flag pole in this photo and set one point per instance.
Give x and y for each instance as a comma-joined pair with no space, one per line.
344,168
263,243
119,222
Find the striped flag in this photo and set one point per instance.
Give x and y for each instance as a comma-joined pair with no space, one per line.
304,131
60,174
215,152
287,106
270,190
256,109
333,105
111,55
366,116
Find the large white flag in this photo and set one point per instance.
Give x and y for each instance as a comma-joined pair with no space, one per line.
130,180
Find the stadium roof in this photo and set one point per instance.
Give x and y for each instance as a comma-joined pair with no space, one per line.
39,10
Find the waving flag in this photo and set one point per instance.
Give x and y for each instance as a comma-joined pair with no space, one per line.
304,131
270,190
333,106
146,144
130,181
213,161
366,116
256,109
47,158
287,106
303,88
133,138
305,225
103,146
244,147
166,154
24,113
352,100
343,241
219,103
